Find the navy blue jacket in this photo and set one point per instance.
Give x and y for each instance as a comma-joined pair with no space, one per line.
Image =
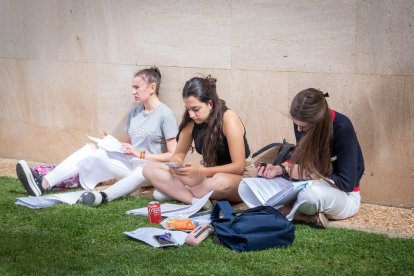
347,159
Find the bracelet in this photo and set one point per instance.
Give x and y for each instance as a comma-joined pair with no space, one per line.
284,171
142,154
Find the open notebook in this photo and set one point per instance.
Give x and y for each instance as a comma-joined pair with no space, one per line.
272,192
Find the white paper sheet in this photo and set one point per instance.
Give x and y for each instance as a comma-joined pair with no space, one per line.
146,234
45,201
175,210
108,143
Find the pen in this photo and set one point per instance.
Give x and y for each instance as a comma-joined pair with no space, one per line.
167,237
202,231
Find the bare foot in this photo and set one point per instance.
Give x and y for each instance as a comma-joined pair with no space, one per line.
318,221
285,210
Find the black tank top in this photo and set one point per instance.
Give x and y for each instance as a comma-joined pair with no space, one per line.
223,153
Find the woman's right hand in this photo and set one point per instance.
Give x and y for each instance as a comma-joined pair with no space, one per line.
268,170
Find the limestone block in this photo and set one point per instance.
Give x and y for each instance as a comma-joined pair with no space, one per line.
260,98
386,125
21,140
83,31
114,96
184,33
12,40
341,89
49,94
309,36
385,37
385,130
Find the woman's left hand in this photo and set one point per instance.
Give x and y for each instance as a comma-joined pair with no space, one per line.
188,170
130,150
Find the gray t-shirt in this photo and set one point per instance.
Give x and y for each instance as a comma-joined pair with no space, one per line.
149,132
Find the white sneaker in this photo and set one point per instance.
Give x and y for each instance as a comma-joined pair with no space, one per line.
91,198
157,195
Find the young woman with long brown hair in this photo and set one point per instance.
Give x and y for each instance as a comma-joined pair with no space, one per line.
327,150
218,135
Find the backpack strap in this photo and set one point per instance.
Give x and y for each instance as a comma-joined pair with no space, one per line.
265,148
284,152
223,206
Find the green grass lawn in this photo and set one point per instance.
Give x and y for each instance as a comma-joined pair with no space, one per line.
77,239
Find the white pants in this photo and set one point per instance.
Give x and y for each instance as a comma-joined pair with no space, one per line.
320,197
96,165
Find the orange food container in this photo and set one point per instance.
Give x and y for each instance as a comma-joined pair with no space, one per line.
180,224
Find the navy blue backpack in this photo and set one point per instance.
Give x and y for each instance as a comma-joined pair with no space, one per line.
257,228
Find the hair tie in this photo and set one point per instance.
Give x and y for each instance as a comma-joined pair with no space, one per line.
326,95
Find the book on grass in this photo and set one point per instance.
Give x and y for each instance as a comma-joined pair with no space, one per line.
271,192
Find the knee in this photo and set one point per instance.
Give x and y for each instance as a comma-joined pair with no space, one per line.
150,170
220,183
311,194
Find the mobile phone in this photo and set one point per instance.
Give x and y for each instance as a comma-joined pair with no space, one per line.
173,165
163,241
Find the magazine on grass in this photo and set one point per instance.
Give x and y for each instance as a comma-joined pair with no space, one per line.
272,192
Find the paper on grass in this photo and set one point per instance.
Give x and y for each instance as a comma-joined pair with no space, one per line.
146,234
45,201
175,210
272,192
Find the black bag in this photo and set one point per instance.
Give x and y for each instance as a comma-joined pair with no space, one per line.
257,228
274,153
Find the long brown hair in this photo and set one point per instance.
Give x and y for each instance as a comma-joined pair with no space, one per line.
204,90
313,153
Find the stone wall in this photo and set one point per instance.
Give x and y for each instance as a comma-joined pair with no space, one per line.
66,69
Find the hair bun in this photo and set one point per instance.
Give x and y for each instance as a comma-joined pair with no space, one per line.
212,81
155,68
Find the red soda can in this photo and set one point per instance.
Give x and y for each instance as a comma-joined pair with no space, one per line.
154,212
